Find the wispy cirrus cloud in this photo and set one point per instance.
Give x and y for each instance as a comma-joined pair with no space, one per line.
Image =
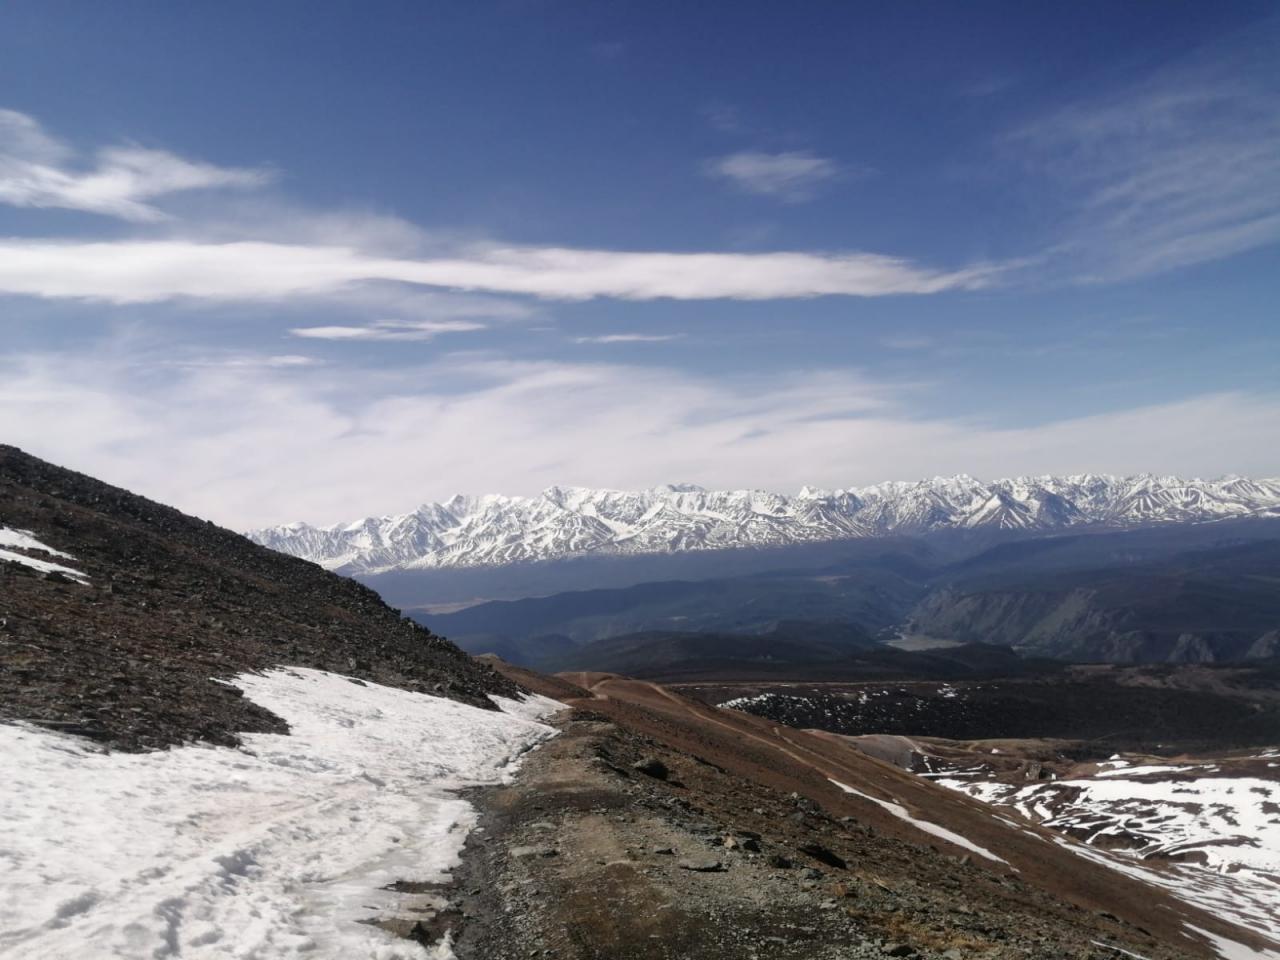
149,271
389,330
723,117
793,176
908,342
37,170
247,361
271,251
1180,168
630,338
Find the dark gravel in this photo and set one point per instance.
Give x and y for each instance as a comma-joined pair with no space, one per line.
708,865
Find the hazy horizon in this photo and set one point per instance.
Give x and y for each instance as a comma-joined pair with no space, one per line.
268,274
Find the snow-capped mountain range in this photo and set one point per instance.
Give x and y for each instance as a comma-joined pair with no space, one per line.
570,522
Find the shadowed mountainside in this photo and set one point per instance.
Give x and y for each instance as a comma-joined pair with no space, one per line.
1177,594
1196,606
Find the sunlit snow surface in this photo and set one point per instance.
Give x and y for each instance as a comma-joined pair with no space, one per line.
576,521
23,540
271,851
1144,815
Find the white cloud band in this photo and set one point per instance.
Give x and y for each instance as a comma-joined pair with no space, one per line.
393,330
152,271
250,445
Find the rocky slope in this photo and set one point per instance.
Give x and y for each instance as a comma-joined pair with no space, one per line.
128,646
570,522
658,827
588,857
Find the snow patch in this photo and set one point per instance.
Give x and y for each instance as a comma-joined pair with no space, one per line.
1120,950
1228,826
1229,949
899,811
25,540
1113,770
268,852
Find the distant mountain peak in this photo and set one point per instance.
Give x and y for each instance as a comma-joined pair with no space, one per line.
679,488
561,522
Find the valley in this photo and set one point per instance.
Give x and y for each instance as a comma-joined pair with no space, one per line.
1196,594
801,788
1087,711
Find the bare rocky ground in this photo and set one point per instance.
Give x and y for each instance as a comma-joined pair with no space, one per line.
610,845
132,658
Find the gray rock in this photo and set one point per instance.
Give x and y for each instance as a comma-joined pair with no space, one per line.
652,767
701,866
824,855
525,852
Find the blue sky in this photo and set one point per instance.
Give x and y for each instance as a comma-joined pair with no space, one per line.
301,261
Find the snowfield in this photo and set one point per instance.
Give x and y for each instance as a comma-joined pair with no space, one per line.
274,850
1143,820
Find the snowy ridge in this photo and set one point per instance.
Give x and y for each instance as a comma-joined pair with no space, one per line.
569,522
273,851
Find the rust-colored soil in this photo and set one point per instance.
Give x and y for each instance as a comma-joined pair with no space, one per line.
1023,862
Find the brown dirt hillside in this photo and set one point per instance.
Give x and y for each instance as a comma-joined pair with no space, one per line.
742,774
